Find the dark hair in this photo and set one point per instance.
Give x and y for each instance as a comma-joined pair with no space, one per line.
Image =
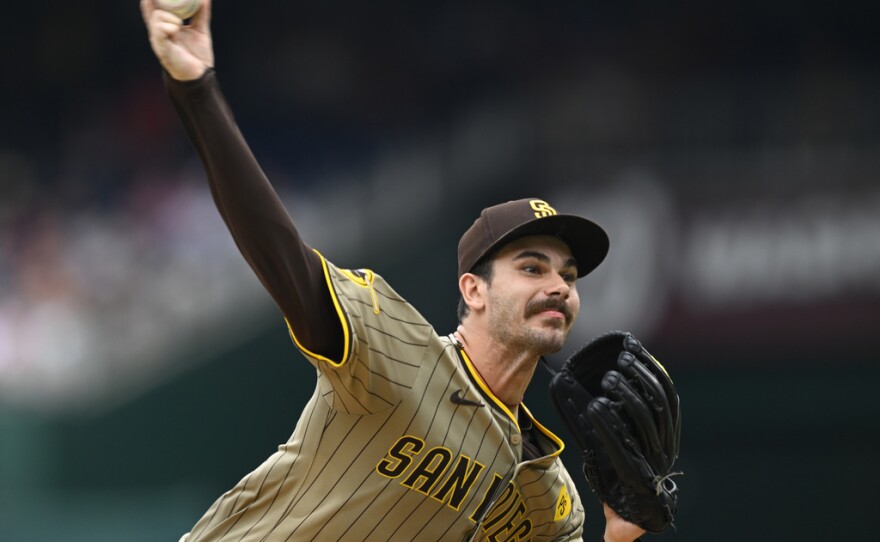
482,269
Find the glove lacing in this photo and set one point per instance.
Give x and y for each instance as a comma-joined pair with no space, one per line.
659,481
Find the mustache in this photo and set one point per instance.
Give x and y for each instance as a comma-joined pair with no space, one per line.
549,304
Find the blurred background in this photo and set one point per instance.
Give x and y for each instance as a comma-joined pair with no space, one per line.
731,150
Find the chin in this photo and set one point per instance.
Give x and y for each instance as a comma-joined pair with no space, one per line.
555,347
550,343
541,339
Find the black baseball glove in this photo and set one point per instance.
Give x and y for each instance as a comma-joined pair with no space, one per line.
623,410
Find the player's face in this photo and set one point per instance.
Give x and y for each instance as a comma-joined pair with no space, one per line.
532,300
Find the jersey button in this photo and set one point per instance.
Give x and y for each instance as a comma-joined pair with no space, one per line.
515,438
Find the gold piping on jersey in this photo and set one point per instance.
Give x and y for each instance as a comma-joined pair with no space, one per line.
486,390
346,332
365,280
560,445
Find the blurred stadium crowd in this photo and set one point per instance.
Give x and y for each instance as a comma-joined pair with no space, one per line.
107,248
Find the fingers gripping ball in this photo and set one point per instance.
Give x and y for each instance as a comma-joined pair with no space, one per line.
623,410
182,8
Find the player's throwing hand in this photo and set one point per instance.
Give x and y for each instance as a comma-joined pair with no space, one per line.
185,51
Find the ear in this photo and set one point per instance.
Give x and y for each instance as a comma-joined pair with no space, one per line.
473,291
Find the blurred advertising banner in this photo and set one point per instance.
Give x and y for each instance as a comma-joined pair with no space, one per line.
747,280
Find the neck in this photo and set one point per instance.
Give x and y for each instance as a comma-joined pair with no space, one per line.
506,370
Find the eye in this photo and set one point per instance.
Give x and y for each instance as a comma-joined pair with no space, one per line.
531,269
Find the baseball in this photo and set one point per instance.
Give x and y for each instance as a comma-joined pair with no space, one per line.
182,8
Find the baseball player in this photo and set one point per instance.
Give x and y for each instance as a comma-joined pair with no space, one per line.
409,435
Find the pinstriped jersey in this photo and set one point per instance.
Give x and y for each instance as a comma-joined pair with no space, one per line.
400,441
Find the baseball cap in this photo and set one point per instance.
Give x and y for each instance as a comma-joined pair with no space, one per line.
506,222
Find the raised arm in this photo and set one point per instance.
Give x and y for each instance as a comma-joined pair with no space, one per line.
260,225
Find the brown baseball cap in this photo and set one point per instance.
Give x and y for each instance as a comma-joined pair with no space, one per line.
505,222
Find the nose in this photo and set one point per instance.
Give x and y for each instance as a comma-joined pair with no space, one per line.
559,286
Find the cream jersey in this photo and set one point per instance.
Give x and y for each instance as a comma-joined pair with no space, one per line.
400,441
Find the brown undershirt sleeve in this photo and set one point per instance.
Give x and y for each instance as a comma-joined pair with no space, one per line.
262,229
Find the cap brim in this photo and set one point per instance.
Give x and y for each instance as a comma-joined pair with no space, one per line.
587,240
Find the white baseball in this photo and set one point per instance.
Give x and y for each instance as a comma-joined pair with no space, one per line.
182,8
